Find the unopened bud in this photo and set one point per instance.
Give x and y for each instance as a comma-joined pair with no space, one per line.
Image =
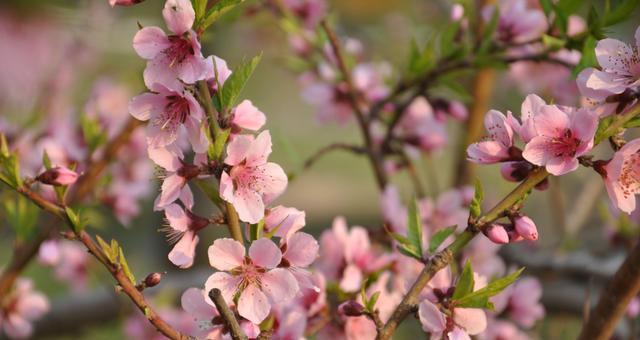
526,228
58,176
515,171
153,279
114,3
544,185
497,234
351,308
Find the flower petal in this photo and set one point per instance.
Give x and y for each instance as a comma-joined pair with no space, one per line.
264,253
431,318
193,301
279,285
302,249
225,282
226,254
253,304
184,251
150,41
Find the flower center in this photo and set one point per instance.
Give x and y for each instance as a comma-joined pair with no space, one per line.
175,112
565,145
630,175
179,50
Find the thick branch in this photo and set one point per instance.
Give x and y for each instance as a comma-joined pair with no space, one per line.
227,315
623,287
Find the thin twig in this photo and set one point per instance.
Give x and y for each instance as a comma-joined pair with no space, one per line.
232,323
375,156
613,302
332,147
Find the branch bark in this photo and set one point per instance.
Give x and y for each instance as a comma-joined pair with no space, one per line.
232,323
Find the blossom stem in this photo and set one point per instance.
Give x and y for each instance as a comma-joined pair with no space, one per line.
234,223
232,323
115,269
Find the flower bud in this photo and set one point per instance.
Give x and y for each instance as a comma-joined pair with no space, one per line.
152,279
351,308
542,186
58,176
114,3
515,171
497,234
526,228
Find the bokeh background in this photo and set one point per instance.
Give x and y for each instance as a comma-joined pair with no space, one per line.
83,42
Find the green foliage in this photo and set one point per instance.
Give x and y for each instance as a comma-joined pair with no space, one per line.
236,82
21,214
115,255
214,13
475,209
439,237
77,222
480,298
619,12
9,165
93,133
413,242
465,283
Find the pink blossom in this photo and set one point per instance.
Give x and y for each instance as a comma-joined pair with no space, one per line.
167,111
247,116
394,212
58,176
255,278
290,322
500,329
497,234
309,11
283,221
420,128
521,301
621,176
496,146
517,23
198,305
69,260
449,108
174,57
563,134
252,182
182,229
484,257
526,227
620,69
178,173
137,326
452,322
298,252
23,306
369,78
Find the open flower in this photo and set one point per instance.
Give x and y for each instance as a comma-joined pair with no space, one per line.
495,147
254,278
252,182
182,230
563,134
622,178
178,173
299,251
517,23
620,69
167,110
21,307
172,58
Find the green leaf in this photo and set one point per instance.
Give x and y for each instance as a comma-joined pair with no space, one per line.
414,230
439,237
93,133
421,61
21,215
216,11
200,7
553,43
620,12
489,30
409,250
603,125
45,160
220,142
471,300
74,218
465,282
564,9
236,82
547,6
4,146
476,203
370,304
125,266
106,249
635,122
255,230
401,239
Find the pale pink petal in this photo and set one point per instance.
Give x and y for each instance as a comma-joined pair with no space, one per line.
193,301
264,253
273,181
302,249
606,81
177,218
196,136
559,166
551,121
144,106
441,280
184,251
227,284
473,320
612,54
537,150
358,244
32,306
17,327
249,205
237,149
260,149
458,334
487,152
248,117
531,106
178,15
253,304
193,68
351,278
498,129
166,157
617,195
186,196
226,187
150,41
583,78
584,124
279,285
431,318
287,220
171,187
226,254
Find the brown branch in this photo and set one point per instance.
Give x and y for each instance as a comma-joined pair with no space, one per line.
25,254
332,147
116,271
230,320
613,302
374,154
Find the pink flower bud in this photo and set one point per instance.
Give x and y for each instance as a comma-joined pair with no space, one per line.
114,3
152,279
351,308
58,176
515,171
542,186
526,228
497,234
